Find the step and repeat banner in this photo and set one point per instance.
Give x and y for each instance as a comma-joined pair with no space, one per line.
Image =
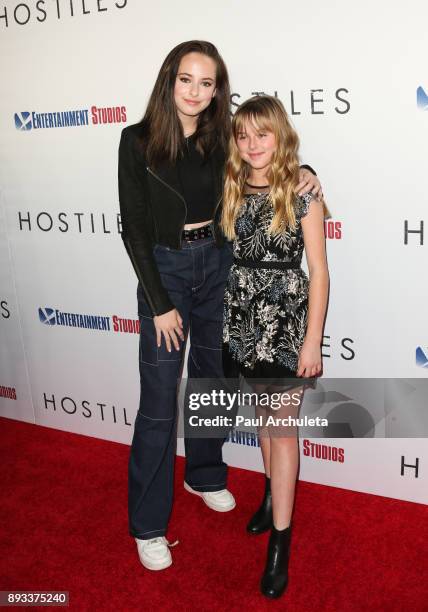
354,80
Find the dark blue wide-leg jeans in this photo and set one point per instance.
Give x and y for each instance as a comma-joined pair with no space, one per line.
195,278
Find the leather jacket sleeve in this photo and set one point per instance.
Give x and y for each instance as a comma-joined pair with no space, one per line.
307,167
137,224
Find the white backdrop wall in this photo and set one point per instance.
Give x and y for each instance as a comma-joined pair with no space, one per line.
347,72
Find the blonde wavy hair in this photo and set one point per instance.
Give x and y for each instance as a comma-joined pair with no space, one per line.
266,113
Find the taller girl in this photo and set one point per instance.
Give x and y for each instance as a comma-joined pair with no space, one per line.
170,187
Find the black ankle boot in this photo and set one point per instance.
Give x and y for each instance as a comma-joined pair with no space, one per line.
275,578
262,520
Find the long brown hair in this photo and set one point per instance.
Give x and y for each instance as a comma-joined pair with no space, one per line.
163,136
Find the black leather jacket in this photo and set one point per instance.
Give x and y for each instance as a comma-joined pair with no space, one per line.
153,211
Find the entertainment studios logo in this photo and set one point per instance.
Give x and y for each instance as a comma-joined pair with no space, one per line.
25,121
8,392
323,451
246,438
54,317
333,229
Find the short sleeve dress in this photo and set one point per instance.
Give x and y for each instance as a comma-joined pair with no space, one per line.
265,308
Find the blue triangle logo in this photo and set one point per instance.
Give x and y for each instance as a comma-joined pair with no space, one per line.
47,316
421,358
23,121
421,99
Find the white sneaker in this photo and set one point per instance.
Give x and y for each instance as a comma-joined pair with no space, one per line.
221,501
154,553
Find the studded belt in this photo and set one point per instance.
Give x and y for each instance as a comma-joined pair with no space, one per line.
196,234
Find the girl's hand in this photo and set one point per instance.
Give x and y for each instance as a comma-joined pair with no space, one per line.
309,182
309,359
170,325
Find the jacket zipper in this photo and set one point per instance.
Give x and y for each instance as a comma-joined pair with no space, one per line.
177,193
214,214
183,200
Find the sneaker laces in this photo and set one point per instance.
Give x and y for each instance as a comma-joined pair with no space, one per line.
161,540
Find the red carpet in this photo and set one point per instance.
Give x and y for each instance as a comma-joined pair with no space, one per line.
64,523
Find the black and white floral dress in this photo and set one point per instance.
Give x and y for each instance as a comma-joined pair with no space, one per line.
265,309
